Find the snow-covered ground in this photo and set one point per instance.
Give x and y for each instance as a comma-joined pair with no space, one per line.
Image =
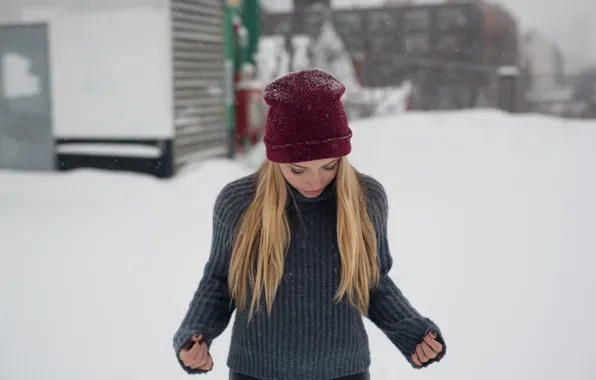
493,231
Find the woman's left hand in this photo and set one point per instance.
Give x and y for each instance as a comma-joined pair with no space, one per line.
427,350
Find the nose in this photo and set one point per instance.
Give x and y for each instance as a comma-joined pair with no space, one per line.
315,183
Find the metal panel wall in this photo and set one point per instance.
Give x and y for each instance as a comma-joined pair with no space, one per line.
198,80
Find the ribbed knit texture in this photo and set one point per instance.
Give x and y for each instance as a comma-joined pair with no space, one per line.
308,336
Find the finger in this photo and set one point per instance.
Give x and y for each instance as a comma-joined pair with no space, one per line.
204,356
416,360
187,354
207,366
201,352
429,352
188,345
421,355
199,361
191,343
433,343
191,353
200,342
195,339
194,365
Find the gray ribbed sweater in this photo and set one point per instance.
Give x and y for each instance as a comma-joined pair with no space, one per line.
308,336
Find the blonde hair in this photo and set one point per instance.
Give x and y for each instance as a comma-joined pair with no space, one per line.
263,238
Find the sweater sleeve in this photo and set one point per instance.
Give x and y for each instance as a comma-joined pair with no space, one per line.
389,309
211,308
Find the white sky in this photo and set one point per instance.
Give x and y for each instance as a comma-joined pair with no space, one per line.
568,23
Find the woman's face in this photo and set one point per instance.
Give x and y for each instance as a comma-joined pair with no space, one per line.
310,178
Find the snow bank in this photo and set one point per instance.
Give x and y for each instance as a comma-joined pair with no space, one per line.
388,101
492,229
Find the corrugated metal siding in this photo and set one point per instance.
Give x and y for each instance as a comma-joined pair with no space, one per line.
198,79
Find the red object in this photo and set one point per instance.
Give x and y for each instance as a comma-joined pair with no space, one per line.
409,102
307,120
250,115
358,66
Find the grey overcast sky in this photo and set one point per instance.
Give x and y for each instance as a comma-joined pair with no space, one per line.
571,24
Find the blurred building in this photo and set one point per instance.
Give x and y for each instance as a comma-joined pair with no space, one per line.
584,92
307,3
501,35
547,91
450,52
117,84
543,60
398,2
500,32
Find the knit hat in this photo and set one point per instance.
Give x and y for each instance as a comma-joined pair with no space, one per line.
306,119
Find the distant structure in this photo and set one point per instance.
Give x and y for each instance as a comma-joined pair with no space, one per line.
83,88
545,84
398,2
307,3
543,60
500,32
450,52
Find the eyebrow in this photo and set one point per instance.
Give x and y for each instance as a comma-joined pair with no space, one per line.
329,164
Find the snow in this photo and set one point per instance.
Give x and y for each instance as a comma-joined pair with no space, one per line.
509,71
327,50
297,86
127,150
329,54
491,226
388,101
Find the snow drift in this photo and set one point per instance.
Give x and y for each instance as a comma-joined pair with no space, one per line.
492,226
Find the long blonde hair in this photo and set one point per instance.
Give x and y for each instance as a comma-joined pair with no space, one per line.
263,238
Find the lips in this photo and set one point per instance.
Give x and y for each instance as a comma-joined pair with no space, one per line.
313,192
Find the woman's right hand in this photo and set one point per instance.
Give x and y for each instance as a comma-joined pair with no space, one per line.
195,354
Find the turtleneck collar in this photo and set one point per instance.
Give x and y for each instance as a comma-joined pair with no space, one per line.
327,194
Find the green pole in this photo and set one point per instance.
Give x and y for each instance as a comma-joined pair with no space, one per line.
240,46
230,10
251,18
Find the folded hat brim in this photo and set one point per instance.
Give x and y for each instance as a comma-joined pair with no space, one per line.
304,151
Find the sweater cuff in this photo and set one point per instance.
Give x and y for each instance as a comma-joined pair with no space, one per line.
180,339
411,332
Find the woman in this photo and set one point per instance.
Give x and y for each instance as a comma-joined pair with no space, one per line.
300,252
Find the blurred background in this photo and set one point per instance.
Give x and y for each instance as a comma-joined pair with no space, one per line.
120,121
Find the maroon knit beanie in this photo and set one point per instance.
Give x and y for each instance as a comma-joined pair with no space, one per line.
306,119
